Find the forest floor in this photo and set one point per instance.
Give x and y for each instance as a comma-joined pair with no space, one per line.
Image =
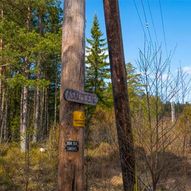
38,171
105,173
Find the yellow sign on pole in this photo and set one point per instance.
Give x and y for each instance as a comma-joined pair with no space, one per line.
78,119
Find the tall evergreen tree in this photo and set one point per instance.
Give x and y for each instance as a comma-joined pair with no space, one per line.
97,66
97,73
30,58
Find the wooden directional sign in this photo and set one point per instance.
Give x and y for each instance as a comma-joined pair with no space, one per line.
72,146
80,97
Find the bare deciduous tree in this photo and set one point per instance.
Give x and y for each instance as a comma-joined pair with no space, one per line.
155,134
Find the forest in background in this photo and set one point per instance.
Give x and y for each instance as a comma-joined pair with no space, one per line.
30,67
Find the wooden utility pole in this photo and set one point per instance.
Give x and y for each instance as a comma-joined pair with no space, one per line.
70,169
120,93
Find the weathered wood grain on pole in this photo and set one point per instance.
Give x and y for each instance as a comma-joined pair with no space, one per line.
120,93
70,169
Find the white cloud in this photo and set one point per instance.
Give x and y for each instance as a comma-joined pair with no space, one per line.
187,69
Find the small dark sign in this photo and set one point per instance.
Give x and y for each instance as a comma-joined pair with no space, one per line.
80,97
72,146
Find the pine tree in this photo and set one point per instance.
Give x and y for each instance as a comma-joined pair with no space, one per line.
35,36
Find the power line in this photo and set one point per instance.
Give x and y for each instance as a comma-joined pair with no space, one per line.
139,16
147,33
146,22
152,20
163,26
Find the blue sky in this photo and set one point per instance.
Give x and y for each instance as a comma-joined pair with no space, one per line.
177,24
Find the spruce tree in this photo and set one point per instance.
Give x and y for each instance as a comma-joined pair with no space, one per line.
97,75
97,67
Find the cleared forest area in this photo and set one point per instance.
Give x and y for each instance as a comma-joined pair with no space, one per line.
37,62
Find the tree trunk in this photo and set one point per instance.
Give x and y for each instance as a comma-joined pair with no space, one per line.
55,100
2,114
5,120
45,121
1,87
172,112
37,94
71,164
24,138
36,115
41,121
120,93
23,119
